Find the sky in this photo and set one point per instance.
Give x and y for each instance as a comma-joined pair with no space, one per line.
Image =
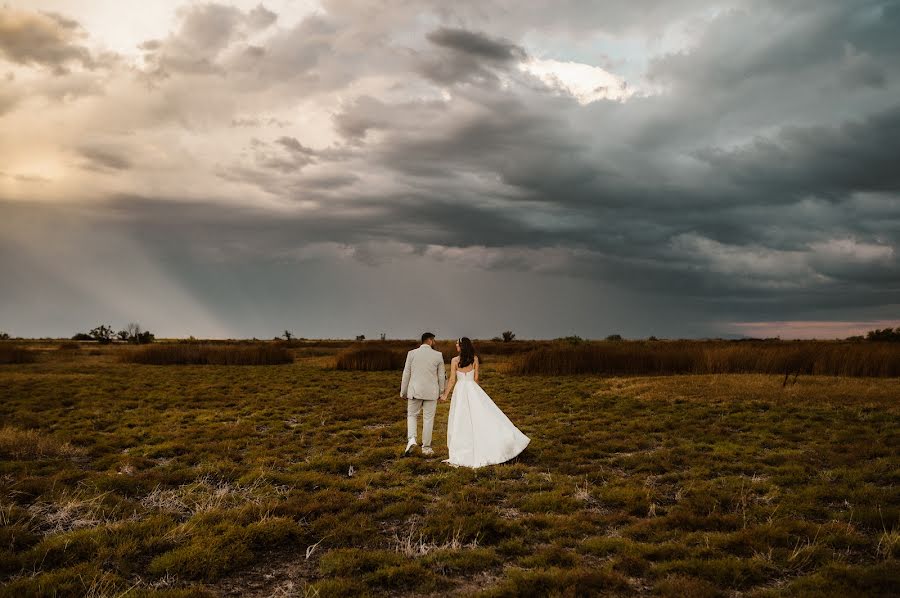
675,168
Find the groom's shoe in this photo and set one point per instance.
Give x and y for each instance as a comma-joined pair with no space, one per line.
427,451
410,446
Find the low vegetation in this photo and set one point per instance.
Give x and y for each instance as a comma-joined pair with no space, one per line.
370,359
206,354
289,481
634,358
14,353
22,445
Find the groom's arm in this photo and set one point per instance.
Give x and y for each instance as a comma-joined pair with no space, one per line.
407,371
441,375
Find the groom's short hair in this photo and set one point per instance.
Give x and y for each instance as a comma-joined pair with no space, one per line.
426,336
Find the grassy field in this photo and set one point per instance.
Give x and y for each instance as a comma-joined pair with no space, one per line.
288,480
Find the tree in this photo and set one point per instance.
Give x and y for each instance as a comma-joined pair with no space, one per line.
361,337
614,337
144,338
508,336
134,331
652,338
4,336
383,336
102,334
122,335
288,335
888,334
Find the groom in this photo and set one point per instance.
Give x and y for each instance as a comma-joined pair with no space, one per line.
423,382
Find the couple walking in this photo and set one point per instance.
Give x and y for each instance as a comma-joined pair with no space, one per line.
478,432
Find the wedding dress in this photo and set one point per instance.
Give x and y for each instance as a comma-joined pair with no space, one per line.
478,432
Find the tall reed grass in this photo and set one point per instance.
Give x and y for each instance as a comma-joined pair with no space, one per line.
12,353
370,359
713,357
206,354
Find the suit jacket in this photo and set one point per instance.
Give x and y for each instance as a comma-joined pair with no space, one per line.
423,375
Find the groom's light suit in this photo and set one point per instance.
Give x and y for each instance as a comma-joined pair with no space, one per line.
423,382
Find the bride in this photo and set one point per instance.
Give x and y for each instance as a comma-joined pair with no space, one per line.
478,432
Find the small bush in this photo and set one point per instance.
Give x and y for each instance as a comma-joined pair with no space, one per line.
15,354
70,346
370,360
203,354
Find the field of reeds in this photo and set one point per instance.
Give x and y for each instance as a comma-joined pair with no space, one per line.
635,358
120,477
208,354
15,353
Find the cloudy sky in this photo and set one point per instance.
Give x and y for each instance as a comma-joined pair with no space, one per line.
671,167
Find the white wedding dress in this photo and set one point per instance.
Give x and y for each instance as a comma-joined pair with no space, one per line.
478,432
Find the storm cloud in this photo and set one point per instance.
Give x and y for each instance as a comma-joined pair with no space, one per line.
682,171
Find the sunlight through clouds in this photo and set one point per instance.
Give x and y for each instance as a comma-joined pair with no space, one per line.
584,82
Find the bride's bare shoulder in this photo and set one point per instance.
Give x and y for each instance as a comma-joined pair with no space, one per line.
455,359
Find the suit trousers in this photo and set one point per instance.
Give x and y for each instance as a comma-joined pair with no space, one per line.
413,408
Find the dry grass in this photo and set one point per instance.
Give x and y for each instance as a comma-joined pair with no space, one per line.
14,354
370,359
208,354
16,443
197,480
634,358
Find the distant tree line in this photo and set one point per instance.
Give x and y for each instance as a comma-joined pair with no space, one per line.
103,334
888,334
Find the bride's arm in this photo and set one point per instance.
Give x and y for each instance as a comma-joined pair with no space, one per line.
476,369
452,380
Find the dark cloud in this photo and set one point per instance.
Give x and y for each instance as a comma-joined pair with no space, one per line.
467,56
294,146
826,161
261,17
750,176
104,158
42,39
476,44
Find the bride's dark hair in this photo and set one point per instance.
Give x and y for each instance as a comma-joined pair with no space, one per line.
466,352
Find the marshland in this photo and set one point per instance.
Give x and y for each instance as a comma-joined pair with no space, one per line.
667,468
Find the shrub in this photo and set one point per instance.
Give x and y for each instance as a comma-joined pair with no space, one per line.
15,354
82,337
204,354
102,334
370,360
508,336
70,346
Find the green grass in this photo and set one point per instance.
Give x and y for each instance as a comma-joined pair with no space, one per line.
208,480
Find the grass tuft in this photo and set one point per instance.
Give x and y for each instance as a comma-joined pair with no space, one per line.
20,444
